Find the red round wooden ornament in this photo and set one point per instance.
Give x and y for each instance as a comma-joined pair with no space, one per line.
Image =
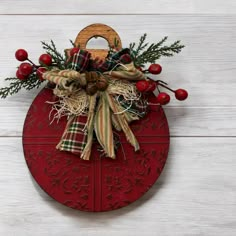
100,184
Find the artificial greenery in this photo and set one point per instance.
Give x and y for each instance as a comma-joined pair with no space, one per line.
16,85
144,53
58,59
141,54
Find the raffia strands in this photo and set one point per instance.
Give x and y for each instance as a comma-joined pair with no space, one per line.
89,128
123,88
130,117
103,126
74,104
116,108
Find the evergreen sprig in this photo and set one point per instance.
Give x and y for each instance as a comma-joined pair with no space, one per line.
145,53
141,54
16,85
57,57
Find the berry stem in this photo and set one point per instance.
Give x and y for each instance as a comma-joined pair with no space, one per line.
158,83
161,81
32,63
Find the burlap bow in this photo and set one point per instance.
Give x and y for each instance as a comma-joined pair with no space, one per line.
100,111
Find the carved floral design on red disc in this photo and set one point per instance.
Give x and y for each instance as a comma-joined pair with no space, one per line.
101,184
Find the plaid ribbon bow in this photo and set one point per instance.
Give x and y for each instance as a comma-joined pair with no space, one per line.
105,109
81,61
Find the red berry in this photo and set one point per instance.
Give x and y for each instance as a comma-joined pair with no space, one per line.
74,51
26,69
163,98
152,86
181,94
45,59
125,58
40,72
155,69
21,55
20,76
142,85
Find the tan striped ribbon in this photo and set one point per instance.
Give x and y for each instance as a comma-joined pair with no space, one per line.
103,126
62,77
53,77
89,128
127,72
69,74
121,119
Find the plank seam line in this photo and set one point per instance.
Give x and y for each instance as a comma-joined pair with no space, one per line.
120,14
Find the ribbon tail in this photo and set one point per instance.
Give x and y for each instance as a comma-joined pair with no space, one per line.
103,126
73,138
115,122
71,119
115,107
90,126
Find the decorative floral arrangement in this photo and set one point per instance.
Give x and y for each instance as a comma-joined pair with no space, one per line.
97,95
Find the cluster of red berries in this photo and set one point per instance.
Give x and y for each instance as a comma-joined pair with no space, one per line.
163,98
27,68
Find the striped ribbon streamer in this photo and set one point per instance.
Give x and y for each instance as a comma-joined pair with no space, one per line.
121,119
103,126
90,127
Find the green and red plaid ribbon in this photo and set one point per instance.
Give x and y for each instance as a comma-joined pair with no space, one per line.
75,138
81,61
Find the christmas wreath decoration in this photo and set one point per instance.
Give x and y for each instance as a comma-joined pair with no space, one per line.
97,97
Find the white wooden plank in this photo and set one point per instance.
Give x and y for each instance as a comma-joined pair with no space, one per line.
196,195
206,67
116,7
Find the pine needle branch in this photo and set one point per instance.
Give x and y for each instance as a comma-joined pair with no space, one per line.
149,54
16,85
56,56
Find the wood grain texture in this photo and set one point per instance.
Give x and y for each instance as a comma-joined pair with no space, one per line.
195,195
117,7
98,30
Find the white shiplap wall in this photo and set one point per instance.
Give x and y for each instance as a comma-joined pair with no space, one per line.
196,194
